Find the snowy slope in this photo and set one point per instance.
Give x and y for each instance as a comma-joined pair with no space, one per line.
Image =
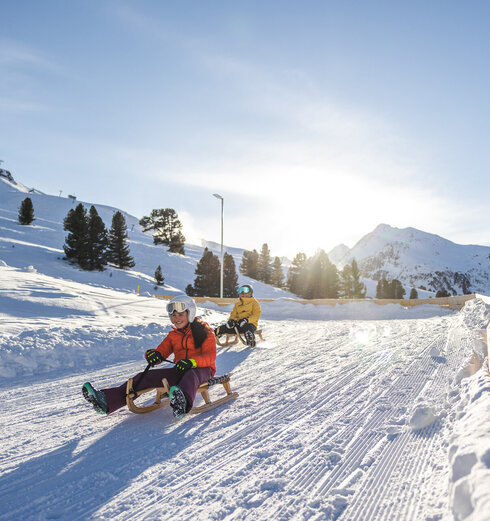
341,415
421,259
41,245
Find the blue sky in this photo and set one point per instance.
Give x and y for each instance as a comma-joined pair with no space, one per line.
316,121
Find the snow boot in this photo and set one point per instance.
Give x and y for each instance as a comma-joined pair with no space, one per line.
250,338
178,401
96,398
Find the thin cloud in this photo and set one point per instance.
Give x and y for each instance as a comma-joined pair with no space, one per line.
16,54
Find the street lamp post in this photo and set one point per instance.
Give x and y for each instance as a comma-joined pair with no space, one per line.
221,274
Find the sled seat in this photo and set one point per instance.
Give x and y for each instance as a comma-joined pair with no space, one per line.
162,400
233,338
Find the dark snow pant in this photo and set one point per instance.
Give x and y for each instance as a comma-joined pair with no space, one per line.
189,382
223,330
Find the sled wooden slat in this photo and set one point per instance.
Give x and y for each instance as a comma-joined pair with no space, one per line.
233,338
162,399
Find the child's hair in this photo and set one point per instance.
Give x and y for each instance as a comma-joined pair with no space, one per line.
199,332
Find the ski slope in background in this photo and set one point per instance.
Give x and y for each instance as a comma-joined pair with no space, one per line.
342,414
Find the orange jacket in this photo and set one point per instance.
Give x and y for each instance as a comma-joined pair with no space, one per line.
181,344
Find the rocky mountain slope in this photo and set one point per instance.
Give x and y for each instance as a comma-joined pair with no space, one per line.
417,259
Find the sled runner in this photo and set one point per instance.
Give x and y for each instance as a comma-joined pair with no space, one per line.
233,338
161,398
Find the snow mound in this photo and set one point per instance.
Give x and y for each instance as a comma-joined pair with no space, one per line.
422,416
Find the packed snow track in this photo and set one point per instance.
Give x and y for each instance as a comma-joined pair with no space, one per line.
346,420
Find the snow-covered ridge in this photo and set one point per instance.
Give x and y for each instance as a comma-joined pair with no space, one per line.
417,258
41,245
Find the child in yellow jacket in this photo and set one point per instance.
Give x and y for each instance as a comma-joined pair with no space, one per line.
244,316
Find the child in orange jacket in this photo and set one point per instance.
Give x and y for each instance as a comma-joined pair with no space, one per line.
193,345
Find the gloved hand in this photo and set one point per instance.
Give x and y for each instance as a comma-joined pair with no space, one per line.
217,331
231,323
153,357
242,322
184,365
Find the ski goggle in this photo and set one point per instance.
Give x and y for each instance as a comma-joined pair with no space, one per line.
244,289
176,306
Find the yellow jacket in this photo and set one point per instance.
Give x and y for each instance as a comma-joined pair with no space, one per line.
247,307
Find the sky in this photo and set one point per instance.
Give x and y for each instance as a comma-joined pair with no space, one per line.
317,120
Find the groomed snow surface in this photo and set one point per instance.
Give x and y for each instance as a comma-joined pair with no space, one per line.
358,412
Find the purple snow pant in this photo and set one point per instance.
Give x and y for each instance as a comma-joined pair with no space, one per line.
189,383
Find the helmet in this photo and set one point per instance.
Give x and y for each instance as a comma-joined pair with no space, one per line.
181,303
247,289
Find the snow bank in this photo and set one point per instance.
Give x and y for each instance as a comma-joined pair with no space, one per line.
469,452
287,309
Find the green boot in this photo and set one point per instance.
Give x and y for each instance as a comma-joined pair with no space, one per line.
96,398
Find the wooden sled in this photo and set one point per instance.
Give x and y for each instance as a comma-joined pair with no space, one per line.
233,338
162,400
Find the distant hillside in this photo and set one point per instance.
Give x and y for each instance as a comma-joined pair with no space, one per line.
40,245
417,258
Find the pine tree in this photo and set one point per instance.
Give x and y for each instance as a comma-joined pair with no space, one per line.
76,245
346,282
264,266
177,243
26,211
97,241
207,281
358,287
118,252
159,276
397,290
297,274
383,289
442,293
230,276
413,294
167,226
322,277
248,266
277,278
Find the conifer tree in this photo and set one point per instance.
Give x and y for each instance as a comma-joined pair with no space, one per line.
76,242
230,276
97,241
249,262
159,276
296,274
177,244
264,266
207,281
383,289
442,293
414,294
277,277
358,287
397,290
322,277
167,226
118,252
26,211
346,282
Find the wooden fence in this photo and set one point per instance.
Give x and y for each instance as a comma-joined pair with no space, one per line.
455,303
